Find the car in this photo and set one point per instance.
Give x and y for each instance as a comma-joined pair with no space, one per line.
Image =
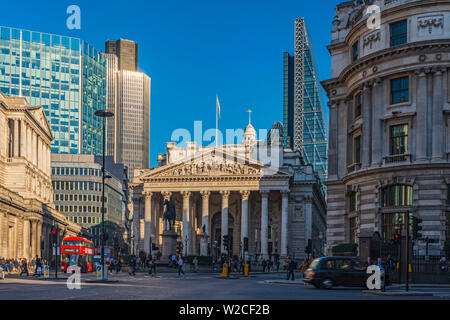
329,272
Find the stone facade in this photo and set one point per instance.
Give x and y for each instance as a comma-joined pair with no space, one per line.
389,146
228,190
27,212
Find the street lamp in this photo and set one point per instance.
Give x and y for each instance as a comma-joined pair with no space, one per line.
103,114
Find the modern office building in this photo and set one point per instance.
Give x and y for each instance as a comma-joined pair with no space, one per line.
77,184
389,154
129,99
65,75
126,52
303,113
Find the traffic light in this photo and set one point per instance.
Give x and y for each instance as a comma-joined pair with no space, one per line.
417,234
397,238
225,242
308,249
245,244
53,235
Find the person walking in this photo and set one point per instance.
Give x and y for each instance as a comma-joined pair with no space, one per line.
37,269
195,262
133,264
264,265
291,266
24,267
180,265
382,273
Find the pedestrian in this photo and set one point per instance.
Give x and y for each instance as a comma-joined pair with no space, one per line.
37,269
390,267
304,266
368,263
133,264
153,267
174,261
24,267
270,265
277,263
118,266
195,262
264,265
291,266
382,274
180,266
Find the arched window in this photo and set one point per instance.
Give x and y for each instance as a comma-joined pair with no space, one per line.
397,196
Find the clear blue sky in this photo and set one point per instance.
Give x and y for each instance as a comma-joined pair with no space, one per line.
195,49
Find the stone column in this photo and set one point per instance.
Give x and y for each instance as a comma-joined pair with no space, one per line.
16,138
148,222
38,239
284,222
367,125
377,112
34,237
205,222
421,136
23,136
186,223
308,219
264,223
224,227
438,119
28,143
333,145
244,217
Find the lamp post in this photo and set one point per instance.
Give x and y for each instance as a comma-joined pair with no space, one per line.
103,114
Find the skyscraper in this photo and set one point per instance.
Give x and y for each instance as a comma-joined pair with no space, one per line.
303,114
126,52
65,75
129,98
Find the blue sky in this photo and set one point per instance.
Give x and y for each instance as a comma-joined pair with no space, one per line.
195,49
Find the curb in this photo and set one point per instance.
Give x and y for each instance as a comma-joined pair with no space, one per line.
296,283
398,293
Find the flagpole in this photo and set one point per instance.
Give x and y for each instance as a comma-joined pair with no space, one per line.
217,123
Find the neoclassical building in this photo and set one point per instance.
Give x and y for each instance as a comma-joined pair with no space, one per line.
389,146
271,198
27,212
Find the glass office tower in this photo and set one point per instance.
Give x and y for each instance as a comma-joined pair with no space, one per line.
65,75
303,113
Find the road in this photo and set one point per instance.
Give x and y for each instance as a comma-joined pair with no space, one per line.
191,287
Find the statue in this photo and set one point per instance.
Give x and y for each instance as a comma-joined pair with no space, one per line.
170,214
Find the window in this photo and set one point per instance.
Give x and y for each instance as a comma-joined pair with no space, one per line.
397,196
399,33
400,90
357,148
399,139
353,230
358,105
393,223
354,202
355,51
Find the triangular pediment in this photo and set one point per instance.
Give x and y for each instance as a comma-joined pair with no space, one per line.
215,162
38,114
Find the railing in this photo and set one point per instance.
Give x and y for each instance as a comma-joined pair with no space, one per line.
398,158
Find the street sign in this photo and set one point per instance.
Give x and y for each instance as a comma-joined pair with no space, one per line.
99,272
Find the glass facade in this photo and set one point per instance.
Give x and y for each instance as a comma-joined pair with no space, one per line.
56,72
313,139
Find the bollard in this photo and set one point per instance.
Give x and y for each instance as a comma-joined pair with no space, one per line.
245,270
224,271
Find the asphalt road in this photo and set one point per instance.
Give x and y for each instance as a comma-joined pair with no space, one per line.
190,287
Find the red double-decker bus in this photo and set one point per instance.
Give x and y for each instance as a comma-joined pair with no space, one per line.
79,252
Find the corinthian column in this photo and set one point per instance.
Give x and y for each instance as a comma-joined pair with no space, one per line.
367,124
224,227
421,136
438,119
148,222
205,222
34,237
16,138
244,217
284,222
264,223
186,223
